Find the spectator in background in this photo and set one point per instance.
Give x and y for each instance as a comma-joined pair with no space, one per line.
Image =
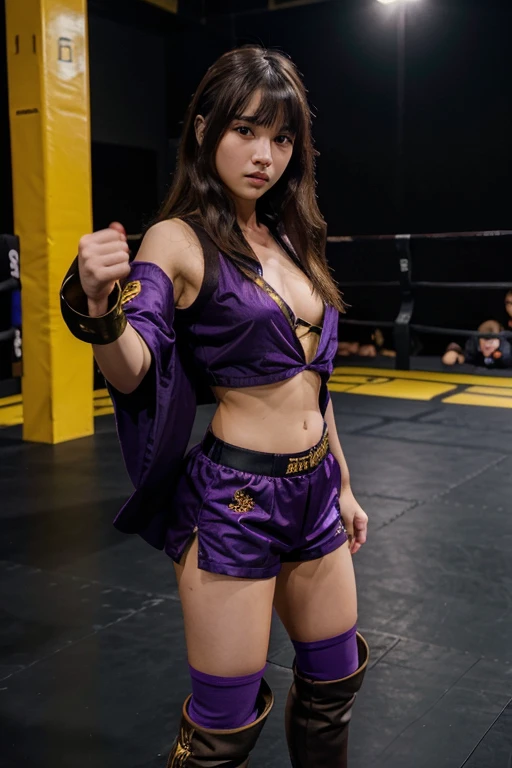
494,352
371,348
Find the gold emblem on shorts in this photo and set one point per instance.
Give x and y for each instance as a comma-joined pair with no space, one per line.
130,291
242,502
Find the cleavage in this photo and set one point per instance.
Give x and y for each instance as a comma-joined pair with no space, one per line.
304,305
307,327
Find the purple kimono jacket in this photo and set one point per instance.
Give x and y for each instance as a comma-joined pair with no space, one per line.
154,422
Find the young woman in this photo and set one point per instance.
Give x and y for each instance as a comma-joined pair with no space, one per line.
231,292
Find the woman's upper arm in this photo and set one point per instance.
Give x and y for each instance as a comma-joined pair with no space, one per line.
169,244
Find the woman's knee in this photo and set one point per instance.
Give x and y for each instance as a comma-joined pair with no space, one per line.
318,599
227,619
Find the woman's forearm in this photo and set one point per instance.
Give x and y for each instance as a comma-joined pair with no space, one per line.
125,361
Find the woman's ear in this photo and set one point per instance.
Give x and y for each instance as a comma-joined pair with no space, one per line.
199,126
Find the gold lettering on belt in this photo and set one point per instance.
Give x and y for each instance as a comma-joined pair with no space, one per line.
312,459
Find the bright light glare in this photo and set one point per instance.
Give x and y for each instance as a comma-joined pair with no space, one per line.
388,2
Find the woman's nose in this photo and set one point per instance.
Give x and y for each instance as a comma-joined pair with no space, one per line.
262,153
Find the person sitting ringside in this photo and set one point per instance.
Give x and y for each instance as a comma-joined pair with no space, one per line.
366,348
493,352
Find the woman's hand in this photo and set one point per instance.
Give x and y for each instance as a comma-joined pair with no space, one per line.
103,259
354,518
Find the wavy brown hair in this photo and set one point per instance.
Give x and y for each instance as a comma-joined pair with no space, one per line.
197,191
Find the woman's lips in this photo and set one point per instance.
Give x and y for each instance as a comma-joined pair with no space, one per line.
256,180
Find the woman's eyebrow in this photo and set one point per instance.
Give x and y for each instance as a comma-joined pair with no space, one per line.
248,119
253,121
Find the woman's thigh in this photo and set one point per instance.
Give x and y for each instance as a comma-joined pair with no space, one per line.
317,599
227,619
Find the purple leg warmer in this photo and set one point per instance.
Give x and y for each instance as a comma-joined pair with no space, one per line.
330,659
222,703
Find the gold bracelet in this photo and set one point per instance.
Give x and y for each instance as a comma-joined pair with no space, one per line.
94,330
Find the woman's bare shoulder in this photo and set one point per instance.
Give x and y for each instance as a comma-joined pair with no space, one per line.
175,248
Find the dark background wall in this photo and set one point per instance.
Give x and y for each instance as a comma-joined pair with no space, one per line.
458,109
128,119
145,65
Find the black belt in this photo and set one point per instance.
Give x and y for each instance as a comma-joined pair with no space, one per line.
258,463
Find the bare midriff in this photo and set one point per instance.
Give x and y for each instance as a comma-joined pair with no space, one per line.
275,418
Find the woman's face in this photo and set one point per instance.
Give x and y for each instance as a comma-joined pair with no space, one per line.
247,149
488,346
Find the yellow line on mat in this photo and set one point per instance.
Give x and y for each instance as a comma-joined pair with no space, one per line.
491,402
103,411
404,390
11,400
348,379
449,378
335,387
489,391
11,408
102,402
11,415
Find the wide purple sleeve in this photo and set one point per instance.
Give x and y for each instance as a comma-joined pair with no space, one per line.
155,421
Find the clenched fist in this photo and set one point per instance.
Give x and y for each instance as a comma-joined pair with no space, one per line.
103,259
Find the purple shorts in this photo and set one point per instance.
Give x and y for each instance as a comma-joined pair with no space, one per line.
276,509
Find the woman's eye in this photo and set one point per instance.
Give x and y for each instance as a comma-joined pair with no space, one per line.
243,128
286,139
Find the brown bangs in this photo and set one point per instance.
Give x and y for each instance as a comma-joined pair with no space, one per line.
278,106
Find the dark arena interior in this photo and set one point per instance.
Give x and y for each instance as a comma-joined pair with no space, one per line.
412,118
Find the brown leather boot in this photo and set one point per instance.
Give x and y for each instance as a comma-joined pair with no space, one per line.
196,747
317,716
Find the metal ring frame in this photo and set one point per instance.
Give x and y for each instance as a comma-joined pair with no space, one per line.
402,324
